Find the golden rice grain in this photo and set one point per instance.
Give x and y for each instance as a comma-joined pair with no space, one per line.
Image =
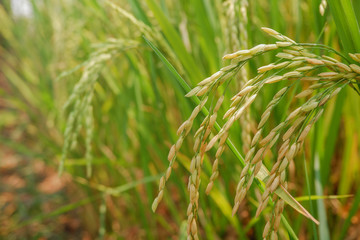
284,55
281,65
229,112
355,68
171,154
218,103
258,155
256,137
269,47
310,78
270,31
257,49
343,66
194,91
265,68
304,93
314,61
211,143
284,44
328,74
292,74
202,91
236,54
266,229
267,139
246,90
274,79
303,69
310,106
304,133
295,64
354,57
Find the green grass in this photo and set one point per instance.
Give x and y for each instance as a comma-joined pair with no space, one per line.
139,103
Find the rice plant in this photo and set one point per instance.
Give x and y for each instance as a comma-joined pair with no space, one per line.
267,137
326,76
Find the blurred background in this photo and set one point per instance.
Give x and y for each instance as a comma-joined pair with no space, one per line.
48,46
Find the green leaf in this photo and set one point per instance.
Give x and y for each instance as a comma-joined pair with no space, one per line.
117,190
346,24
323,227
316,197
57,212
175,41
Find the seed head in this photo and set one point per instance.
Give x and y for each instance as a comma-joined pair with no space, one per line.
314,61
193,91
284,55
270,31
355,68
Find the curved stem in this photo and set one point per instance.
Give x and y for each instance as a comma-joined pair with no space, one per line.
321,46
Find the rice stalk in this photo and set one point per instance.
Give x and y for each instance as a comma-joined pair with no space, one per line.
326,76
81,114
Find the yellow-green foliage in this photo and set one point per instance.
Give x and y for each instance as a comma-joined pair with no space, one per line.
96,89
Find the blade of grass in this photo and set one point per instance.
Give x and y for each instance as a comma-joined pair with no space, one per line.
323,227
346,177
206,35
315,17
315,233
57,212
288,227
139,12
332,136
175,41
316,197
346,24
356,5
116,191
